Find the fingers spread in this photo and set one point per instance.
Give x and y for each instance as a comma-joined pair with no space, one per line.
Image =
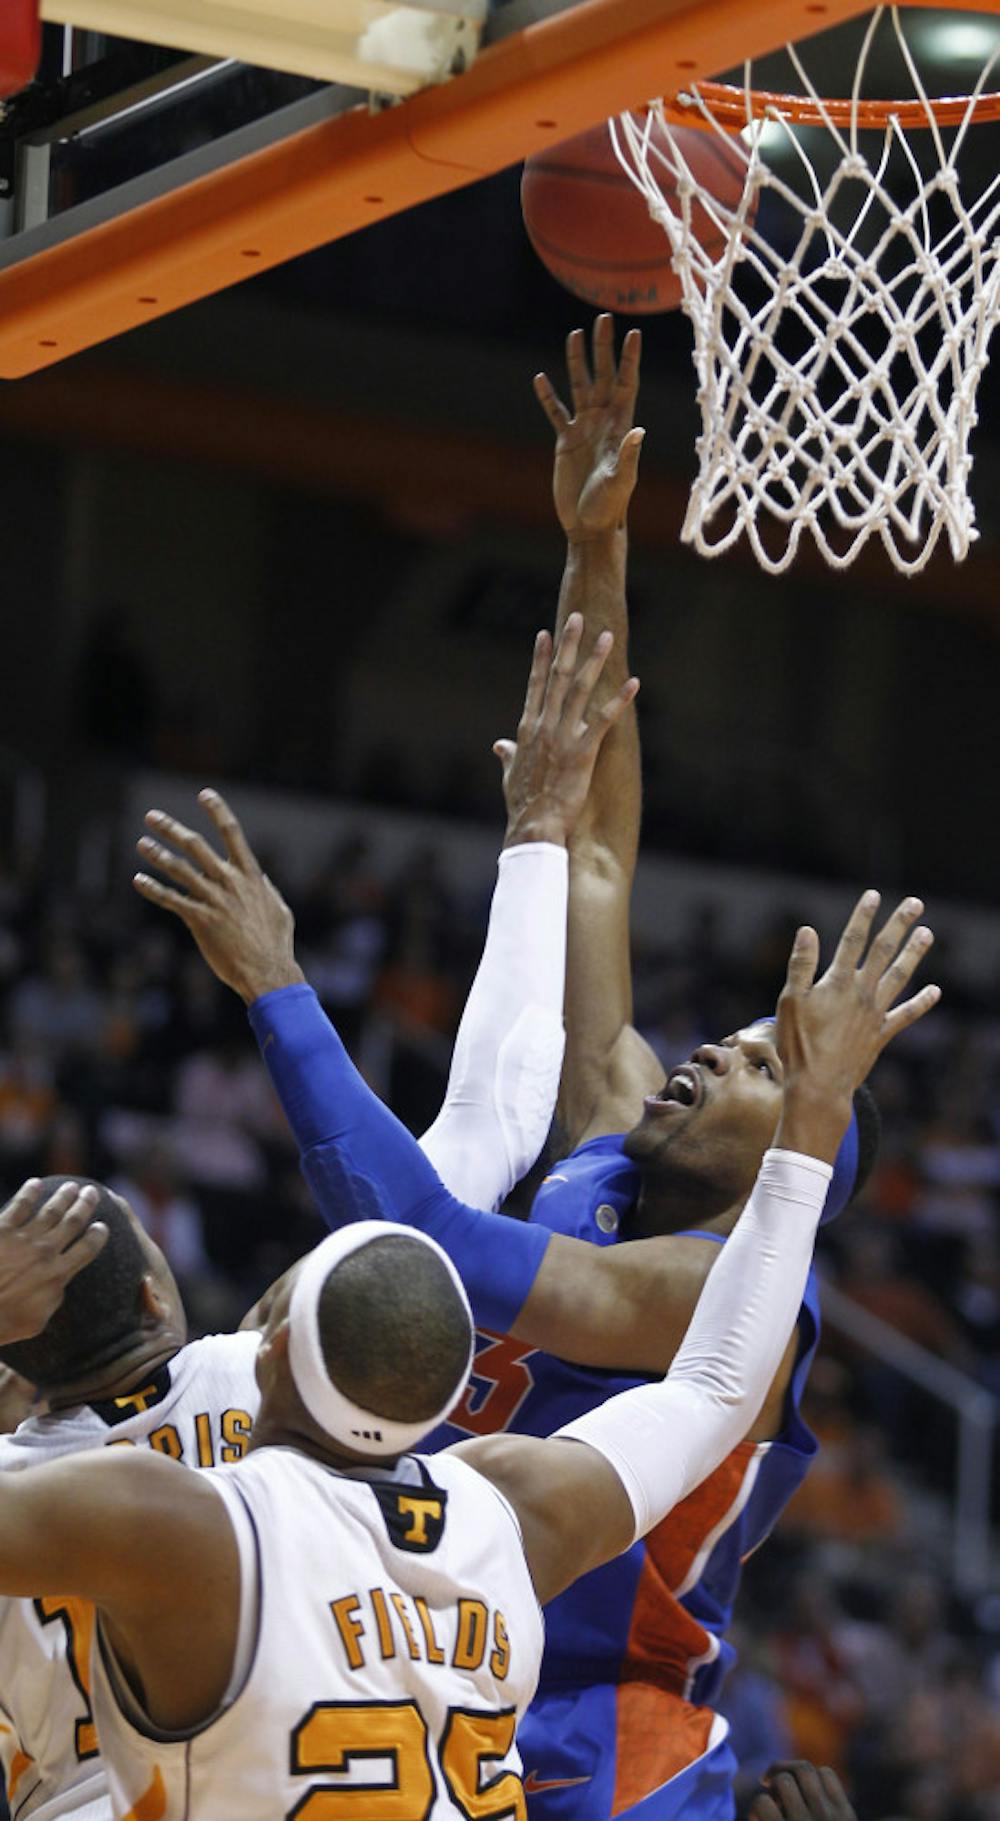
628,455
193,845
889,937
165,896
563,667
77,1217
85,1249
901,971
237,847
551,403
538,676
579,373
613,710
902,1016
179,870
21,1207
803,961
51,1212
857,930
628,365
585,680
604,357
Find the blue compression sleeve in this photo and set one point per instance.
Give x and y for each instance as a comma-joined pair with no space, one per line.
362,1164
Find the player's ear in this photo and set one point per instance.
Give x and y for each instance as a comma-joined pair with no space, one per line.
154,1305
151,1303
272,1353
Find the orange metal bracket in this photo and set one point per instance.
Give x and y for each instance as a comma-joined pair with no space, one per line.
524,92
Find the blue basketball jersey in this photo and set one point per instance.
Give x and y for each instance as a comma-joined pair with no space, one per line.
635,1652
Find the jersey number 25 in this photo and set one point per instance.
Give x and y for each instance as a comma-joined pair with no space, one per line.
335,1738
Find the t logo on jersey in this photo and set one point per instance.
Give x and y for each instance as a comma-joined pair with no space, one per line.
135,1403
414,1518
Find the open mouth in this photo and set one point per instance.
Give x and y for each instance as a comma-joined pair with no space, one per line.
684,1087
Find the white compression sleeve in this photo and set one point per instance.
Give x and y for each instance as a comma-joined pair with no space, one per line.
508,1053
662,1440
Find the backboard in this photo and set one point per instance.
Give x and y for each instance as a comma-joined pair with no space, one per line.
171,148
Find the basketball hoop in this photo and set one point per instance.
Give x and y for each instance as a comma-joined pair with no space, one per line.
837,371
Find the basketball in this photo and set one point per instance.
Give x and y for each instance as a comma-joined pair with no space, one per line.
592,228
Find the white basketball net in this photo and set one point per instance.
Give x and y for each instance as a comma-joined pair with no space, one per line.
837,377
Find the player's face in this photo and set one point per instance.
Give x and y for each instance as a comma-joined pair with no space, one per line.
715,1115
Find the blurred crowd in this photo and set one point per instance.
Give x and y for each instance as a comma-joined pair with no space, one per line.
120,1057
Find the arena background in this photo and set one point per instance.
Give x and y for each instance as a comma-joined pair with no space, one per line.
295,542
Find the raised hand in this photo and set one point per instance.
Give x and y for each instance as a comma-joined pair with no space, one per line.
241,923
831,1031
597,450
43,1244
547,770
797,1791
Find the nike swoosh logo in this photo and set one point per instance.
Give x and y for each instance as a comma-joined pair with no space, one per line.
534,1785
546,1179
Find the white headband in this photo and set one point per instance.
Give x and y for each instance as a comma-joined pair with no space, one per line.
343,1420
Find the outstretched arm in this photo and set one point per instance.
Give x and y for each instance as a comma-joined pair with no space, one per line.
153,1547
360,1162
608,1068
594,475
647,1449
508,1052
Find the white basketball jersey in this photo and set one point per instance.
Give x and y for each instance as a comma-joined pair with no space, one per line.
398,1642
198,1408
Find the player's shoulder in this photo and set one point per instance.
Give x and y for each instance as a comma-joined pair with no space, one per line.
40,1439
217,1357
585,1194
589,1154
494,1470
21,1447
225,1350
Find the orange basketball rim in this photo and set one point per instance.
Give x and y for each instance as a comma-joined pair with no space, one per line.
732,107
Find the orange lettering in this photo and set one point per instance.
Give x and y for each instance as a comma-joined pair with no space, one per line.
434,1652
236,1427
167,1441
500,1655
381,1610
349,1627
470,1644
404,1619
203,1430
